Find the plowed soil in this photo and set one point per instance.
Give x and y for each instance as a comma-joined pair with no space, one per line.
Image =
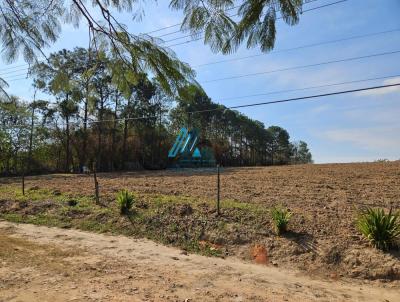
304,186
324,200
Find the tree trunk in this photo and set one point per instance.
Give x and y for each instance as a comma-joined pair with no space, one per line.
124,153
99,134
67,151
31,140
159,136
85,134
114,134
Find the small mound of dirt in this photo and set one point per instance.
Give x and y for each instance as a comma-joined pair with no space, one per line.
370,263
259,254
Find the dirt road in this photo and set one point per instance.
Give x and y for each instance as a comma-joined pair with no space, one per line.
50,264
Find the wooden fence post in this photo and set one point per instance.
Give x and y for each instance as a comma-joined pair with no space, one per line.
96,184
218,191
23,182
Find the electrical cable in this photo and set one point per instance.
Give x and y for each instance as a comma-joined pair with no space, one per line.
295,99
302,66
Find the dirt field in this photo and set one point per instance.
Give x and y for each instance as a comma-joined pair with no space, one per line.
50,264
319,186
178,208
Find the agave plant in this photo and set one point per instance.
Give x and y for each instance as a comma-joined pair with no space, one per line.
281,218
380,229
125,201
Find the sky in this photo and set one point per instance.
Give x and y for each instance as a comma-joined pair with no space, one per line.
362,126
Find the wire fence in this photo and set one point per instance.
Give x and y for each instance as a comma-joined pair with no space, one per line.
325,186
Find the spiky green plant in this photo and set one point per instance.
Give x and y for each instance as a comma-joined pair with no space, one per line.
381,229
125,201
280,217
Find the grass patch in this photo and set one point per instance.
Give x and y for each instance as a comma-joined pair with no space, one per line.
125,201
381,229
281,218
185,222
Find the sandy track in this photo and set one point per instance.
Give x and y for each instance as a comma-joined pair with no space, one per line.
50,264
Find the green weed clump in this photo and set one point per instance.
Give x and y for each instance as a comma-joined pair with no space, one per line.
380,229
280,217
125,201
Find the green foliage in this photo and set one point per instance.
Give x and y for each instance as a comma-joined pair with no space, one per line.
14,133
281,218
258,145
3,86
300,153
380,228
111,82
279,146
102,88
125,201
254,22
27,27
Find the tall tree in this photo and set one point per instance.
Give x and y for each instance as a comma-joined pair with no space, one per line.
279,147
14,134
300,153
68,109
93,99
35,106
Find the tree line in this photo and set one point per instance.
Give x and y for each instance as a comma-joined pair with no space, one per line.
99,112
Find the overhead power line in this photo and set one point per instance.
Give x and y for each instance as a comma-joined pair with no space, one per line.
310,87
302,66
15,75
162,28
301,47
259,55
11,72
178,24
18,79
316,96
295,99
309,97
270,71
14,67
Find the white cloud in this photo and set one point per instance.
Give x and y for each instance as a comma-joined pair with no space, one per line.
383,139
383,113
321,109
383,91
334,158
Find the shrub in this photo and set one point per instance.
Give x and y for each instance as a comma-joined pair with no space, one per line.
125,201
281,218
381,229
